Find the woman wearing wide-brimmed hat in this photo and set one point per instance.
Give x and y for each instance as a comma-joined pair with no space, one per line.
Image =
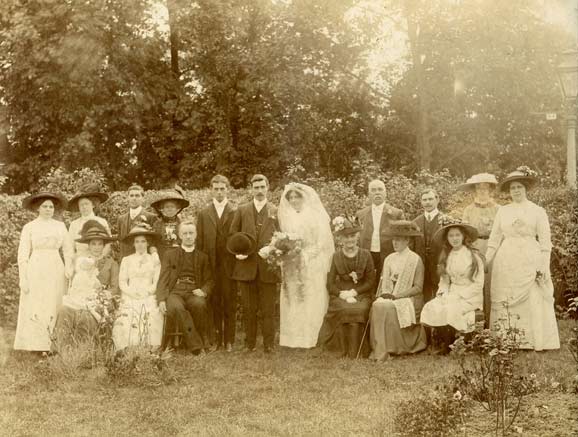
140,322
85,201
350,282
394,318
460,290
481,214
168,206
94,272
520,247
42,272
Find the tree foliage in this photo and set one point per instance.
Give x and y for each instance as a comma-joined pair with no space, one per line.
243,86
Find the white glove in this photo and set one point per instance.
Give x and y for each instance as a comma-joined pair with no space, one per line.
241,257
351,299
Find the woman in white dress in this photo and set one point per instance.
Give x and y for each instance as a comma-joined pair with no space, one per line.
304,295
85,202
139,321
42,273
460,290
520,246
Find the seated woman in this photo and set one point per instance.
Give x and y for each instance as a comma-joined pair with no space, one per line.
350,282
460,290
395,327
139,321
77,319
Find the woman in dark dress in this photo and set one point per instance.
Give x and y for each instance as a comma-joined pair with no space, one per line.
94,271
350,283
168,207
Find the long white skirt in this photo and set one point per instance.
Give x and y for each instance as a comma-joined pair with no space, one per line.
139,323
303,304
39,307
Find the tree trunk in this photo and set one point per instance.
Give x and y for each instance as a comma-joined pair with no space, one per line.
422,131
174,37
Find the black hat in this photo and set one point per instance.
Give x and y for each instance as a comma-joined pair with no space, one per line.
93,230
88,191
173,195
522,174
141,228
402,228
342,226
448,222
241,243
31,201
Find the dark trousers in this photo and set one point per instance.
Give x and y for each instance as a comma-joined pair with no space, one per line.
444,337
257,297
378,265
224,305
188,314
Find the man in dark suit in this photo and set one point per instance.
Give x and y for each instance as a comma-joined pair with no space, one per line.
428,223
184,289
135,214
256,280
213,224
374,221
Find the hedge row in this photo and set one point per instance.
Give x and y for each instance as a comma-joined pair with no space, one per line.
338,197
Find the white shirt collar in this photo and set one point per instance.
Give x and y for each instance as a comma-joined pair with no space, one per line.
259,204
220,205
430,215
188,249
375,207
134,212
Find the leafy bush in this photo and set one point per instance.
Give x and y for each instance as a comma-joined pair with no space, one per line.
440,411
492,377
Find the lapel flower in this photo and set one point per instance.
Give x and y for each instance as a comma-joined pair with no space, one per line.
354,277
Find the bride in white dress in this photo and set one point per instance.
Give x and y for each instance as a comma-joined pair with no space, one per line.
304,296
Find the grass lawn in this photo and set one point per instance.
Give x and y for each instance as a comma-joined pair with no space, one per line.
285,393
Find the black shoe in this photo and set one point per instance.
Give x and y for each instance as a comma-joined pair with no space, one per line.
267,349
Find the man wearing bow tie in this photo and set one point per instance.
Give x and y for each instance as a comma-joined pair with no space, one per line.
135,214
257,281
213,223
424,247
374,221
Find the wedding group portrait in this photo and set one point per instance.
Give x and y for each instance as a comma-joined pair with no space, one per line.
262,217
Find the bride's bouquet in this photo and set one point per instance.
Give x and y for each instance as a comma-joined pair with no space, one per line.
284,246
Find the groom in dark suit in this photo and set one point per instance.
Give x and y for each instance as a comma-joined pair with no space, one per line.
257,281
374,221
126,221
213,224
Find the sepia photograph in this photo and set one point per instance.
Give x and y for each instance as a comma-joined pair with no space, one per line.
288,218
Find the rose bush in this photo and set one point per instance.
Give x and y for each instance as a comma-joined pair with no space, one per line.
339,197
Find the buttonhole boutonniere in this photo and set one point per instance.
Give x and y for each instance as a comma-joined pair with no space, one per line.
354,277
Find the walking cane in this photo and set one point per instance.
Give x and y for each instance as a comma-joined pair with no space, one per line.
368,319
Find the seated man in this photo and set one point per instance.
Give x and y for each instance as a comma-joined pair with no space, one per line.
183,290
395,327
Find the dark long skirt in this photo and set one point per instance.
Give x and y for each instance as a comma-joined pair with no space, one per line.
74,327
387,337
343,327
